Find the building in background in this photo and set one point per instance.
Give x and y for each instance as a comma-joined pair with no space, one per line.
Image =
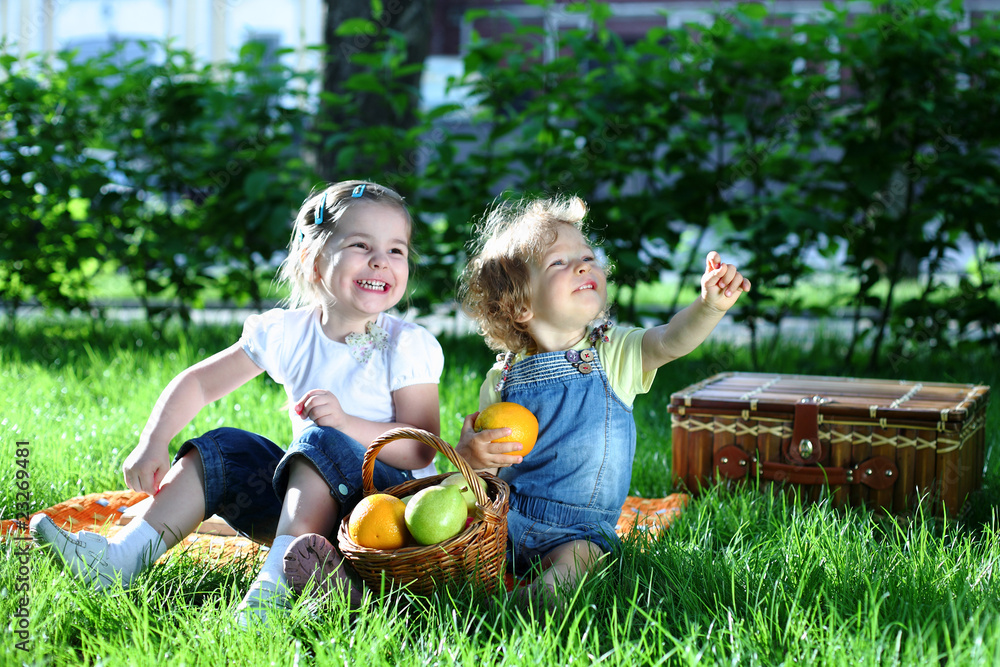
214,30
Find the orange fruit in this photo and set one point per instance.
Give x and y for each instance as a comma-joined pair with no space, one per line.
523,425
378,522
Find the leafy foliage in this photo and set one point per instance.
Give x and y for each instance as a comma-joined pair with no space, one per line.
177,174
866,139
781,143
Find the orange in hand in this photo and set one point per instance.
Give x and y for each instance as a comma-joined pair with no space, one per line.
378,522
523,425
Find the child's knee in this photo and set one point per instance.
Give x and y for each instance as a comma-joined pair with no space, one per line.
303,474
191,457
578,553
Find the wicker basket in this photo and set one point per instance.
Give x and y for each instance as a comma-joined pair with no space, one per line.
476,555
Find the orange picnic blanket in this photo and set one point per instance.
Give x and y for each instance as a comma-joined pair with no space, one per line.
214,539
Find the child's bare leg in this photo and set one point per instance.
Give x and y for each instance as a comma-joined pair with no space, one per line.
310,511
173,513
564,567
308,506
179,506
567,563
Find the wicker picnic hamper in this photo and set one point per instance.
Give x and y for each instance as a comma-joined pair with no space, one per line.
477,555
883,444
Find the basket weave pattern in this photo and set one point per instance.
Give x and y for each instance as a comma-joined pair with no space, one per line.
476,555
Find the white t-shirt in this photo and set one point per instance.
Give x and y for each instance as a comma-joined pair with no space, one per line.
291,346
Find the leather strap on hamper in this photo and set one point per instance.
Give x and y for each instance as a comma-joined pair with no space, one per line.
877,472
805,447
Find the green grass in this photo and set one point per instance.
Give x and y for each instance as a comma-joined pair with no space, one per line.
740,578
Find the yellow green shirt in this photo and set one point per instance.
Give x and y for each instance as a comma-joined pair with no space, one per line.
621,358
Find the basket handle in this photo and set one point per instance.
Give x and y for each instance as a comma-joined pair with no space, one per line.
368,466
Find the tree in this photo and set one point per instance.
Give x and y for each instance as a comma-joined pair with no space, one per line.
374,61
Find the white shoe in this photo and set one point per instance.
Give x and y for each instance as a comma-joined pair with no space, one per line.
84,553
264,599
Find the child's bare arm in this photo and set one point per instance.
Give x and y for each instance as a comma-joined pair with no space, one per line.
721,286
418,406
180,401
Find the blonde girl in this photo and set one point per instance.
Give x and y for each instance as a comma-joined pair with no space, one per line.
350,370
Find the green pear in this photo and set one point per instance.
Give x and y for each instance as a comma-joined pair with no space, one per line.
458,479
435,514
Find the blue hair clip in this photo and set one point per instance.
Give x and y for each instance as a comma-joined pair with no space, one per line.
320,209
358,191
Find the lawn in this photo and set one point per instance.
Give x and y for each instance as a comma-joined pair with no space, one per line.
740,578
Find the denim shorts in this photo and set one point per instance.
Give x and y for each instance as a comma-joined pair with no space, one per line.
536,526
246,475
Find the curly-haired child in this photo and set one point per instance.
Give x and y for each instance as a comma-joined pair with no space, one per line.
538,292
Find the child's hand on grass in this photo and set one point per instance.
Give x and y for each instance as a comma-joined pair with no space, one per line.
145,467
722,284
481,452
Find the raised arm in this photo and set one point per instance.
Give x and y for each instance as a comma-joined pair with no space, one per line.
721,286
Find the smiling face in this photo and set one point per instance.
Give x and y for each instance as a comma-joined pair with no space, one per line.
363,268
568,291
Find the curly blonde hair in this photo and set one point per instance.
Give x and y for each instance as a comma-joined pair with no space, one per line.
311,231
495,285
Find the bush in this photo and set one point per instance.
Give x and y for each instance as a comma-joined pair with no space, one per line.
50,248
868,139
179,175
780,142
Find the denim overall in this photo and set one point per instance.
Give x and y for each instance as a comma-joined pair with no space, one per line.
572,485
